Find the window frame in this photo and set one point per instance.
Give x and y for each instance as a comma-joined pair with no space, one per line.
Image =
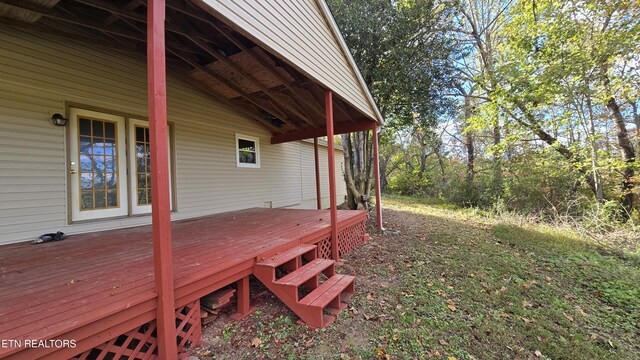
256,141
135,208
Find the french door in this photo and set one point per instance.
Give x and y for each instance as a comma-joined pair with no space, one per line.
97,164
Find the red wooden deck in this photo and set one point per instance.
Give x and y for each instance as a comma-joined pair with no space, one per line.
92,287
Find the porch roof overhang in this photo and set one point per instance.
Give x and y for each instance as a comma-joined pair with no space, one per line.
208,51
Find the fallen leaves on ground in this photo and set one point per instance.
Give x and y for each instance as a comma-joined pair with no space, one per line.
569,317
255,342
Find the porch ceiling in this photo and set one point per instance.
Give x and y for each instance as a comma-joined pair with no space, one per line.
202,50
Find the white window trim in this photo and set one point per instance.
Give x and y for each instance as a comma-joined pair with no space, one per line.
256,140
131,141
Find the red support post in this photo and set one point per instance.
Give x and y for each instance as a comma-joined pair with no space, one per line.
332,174
160,206
317,161
376,167
242,295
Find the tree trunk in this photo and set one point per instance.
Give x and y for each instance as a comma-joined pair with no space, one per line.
469,143
357,167
627,151
594,155
636,121
441,163
567,153
497,160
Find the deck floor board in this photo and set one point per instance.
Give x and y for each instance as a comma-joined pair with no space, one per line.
51,289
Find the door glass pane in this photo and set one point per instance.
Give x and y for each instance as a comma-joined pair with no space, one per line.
85,127
98,181
98,164
109,147
85,145
110,163
142,197
100,198
112,198
143,168
109,130
87,200
111,181
97,127
86,180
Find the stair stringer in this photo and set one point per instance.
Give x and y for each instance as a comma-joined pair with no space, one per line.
312,315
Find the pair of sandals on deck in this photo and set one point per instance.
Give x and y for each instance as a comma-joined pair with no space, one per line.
49,237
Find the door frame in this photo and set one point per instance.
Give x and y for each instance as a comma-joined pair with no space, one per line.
75,213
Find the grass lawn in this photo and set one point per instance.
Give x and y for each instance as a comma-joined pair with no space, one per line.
451,284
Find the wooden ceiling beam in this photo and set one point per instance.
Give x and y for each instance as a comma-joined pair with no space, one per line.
235,41
139,36
221,57
193,63
132,5
318,93
115,10
174,49
278,104
63,16
314,93
69,32
339,128
218,97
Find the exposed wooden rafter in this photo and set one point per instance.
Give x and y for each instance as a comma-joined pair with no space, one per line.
234,104
339,128
204,51
186,31
235,88
292,90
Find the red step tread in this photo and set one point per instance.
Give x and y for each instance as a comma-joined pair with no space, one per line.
328,290
288,255
306,272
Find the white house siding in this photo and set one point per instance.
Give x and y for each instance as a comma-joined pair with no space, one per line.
309,176
39,74
299,32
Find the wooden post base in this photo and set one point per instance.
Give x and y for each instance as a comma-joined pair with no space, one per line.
242,294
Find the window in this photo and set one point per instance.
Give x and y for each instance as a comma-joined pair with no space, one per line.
247,151
140,166
98,165
143,165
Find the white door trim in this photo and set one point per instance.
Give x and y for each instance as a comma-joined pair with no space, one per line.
75,170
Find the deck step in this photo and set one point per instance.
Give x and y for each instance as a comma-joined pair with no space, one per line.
288,255
330,291
306,272
318,308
